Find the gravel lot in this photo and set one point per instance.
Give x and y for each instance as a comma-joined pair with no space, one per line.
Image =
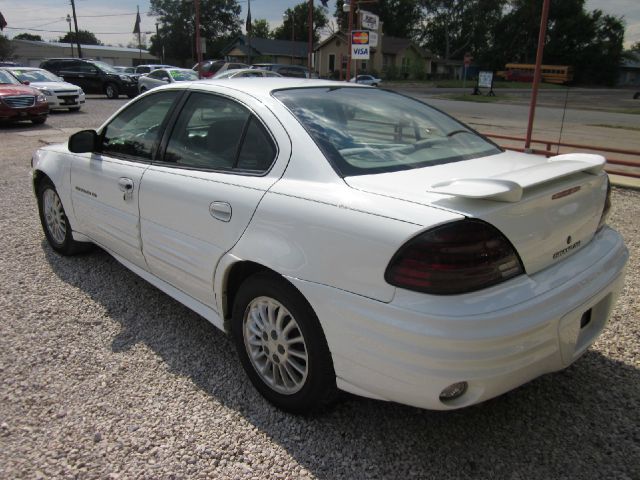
104,376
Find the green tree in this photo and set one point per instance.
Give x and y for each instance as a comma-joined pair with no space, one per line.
260,29
400,18
6,49
300,14
635,47
85,37
28,36
453,27
219,23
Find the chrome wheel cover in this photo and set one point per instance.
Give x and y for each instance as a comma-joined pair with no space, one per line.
54,215
275,345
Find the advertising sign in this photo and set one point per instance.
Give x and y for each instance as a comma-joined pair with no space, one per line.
360,52
373,39
485,79
359,37
370,21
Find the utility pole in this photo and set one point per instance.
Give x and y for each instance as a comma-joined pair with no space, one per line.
310,48
75,22
198,44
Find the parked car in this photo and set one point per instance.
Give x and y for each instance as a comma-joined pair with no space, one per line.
246,73
366,80
147,68
211,67
163,76
92,76
60,95
21,102
346,237
294,71
9,64
123,69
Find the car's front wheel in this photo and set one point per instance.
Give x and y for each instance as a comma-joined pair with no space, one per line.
55,222
281,344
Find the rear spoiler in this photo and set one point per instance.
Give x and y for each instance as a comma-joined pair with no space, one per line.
509,187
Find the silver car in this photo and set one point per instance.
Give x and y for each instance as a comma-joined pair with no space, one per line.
60,95
163,76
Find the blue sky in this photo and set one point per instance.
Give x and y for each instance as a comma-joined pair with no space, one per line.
50,15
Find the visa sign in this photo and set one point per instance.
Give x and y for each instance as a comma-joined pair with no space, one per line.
360,52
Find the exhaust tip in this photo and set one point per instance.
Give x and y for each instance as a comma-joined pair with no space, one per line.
453,391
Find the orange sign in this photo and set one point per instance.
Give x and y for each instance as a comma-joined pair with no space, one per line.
360,37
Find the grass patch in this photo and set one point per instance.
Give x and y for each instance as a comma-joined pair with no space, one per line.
621,127
496,84
471,98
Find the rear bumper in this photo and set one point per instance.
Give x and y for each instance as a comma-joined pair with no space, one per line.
409,350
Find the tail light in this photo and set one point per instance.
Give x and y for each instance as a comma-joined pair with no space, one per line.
457,257
607,207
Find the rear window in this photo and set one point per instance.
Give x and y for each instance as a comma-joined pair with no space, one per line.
364,130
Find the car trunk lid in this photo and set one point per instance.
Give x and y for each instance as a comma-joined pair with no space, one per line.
548,208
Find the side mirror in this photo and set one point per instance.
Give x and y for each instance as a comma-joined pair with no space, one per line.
25,82
84,141
61,79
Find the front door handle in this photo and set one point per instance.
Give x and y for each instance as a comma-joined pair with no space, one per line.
220,211
126,185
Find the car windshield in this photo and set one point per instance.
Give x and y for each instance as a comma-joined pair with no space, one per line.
105,67
183,75
6,77
364,131
34,75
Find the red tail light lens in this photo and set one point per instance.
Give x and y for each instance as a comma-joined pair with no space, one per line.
457,257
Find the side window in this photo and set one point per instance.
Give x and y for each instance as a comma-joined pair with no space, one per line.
257,152
136,130
157,74
215,133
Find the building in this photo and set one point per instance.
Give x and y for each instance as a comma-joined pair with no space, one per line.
629,71
392,57
31,53
266,50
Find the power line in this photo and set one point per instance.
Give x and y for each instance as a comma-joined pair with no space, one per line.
66,31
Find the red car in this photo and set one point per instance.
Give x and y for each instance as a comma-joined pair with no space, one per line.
20,102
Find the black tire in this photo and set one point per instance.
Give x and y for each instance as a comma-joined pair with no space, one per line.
143,89
318,388
74,109
132,95
636,96
64,244
111,91
39,120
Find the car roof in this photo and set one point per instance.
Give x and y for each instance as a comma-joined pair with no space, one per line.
263,86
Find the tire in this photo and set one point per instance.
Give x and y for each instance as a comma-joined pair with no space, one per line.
55,222
111,91
74,109
39,120
143,89
277,367
636,95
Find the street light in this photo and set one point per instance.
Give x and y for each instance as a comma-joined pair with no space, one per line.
293,29
70,34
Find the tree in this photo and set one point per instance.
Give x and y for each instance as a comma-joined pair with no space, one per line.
300,15
453,27
85,37
260,29
219,23
6,49
635,47
400,18
28,36
134,42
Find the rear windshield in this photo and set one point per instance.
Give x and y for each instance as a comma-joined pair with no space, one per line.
367,130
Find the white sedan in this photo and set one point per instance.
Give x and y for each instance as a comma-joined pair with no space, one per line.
348,238
246,73
163,76
60,95
366,80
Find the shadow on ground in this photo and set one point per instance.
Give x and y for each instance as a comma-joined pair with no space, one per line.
579,423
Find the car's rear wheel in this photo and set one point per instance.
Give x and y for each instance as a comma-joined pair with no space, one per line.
55,222
74,109
39,120
111,91
281,344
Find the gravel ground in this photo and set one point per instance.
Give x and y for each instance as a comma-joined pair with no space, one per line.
103,376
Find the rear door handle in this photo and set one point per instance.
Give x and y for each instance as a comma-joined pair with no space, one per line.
220,211
126,185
